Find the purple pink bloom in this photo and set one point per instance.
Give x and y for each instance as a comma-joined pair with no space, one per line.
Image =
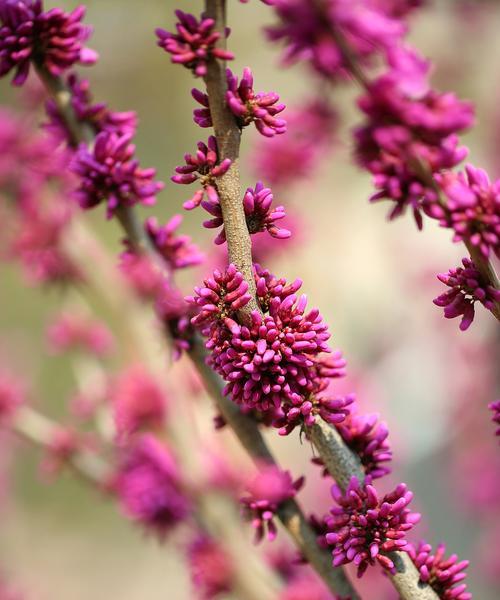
203,167
177,250
110,173
367,437
407,139
471,208
495,409
11,395
260,108
72,331
250,107
175,315
212,569
445,575
467,286
310,32
259,214
218,300
194,44
149,486
266,492
50,39
142,274
364,527
139,402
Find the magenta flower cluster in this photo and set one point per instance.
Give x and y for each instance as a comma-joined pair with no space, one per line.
270,488
149,486
110,173
275,365
72,331
194,44
212,570
368,438
259,214
495,409
204,167
444,575
248,106
404,137
467,286
310,32
471,209
364,528
177,251
50,39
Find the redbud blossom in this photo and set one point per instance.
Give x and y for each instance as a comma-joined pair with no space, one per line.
258,214
71,331
495,409
138,400
472,208
212,569
50,39
110,173
444,575
266,492
364,528
149,486
194,44
177,250
204,167
467,287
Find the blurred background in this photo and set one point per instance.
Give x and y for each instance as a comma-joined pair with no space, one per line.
374,282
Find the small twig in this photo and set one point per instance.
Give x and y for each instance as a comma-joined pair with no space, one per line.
40,430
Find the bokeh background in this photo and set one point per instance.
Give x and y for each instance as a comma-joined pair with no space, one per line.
373,280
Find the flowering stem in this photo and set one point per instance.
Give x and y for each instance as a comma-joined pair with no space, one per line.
484,265
290,514
245,428
228,136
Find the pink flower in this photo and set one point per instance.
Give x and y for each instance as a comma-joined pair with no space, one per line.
247,106
52,39
309,29
177,251
365,528
76,332
212,569
444,575
258,213
406,139
472,208
204,167
149,486
467,287
306,587
142,273
194,44
266,492
110,173
220,298
367,437
175,315
11,395
138,401
495,409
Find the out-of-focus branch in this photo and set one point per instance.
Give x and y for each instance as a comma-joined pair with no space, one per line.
41,431
245,428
